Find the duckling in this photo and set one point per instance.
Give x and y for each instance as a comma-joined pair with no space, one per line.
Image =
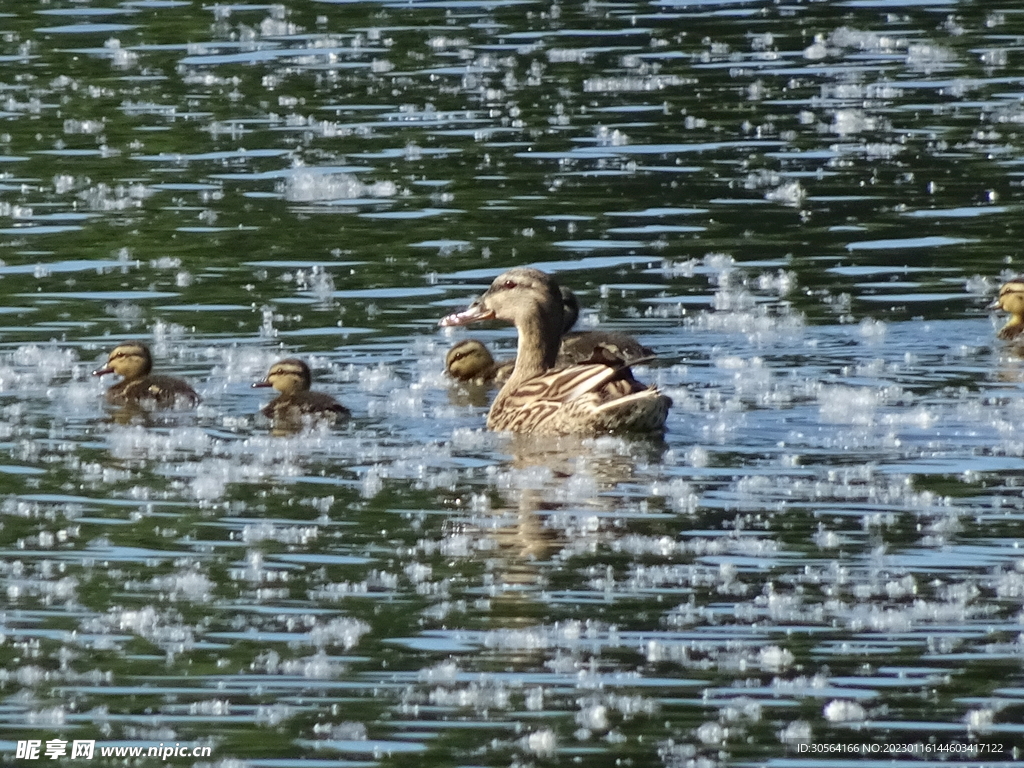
578,346
1011,299
470,361
596,397
134,363
292,379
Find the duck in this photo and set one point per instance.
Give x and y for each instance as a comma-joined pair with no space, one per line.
470,361
133,362
578,346
1011,299
599,396
296,402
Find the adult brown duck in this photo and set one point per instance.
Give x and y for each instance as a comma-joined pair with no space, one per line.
139,386
297,403
470,360
1011,299
596,397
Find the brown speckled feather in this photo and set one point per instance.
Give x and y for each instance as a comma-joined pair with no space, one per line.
163,391
583,399
317,404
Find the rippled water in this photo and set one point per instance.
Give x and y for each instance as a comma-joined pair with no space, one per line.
804,208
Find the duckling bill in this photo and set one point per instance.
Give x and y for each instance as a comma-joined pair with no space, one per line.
296,403
133,362
1011,299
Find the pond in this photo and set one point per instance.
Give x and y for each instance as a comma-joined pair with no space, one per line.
803,208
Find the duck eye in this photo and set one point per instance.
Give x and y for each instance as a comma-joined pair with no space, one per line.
509,284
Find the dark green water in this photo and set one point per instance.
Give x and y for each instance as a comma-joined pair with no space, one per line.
804,208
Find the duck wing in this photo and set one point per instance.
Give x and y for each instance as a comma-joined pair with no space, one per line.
592,398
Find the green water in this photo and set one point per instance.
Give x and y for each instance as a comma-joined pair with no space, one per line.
804,208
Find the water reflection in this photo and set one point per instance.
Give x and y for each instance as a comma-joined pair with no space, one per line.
522,539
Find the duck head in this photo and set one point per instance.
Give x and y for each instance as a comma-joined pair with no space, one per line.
515,296
287,377
467,360
130,361
1011,297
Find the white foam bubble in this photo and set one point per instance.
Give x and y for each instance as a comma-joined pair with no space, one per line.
843,711
343,631
791,193
543,743
304,185
772,658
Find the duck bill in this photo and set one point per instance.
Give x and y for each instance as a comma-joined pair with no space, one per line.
993,305
473,314
263,383
103,371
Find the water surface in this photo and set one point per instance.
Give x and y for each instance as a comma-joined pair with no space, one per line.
803,208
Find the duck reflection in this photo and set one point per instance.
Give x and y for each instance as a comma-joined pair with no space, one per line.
470,393
559,486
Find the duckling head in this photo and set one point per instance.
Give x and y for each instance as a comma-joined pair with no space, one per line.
517,296
467,360
130,361
288,377
1011,299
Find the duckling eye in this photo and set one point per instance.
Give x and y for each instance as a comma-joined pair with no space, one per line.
509,284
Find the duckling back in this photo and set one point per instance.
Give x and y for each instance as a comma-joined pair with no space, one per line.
297,406
156,390
579,346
